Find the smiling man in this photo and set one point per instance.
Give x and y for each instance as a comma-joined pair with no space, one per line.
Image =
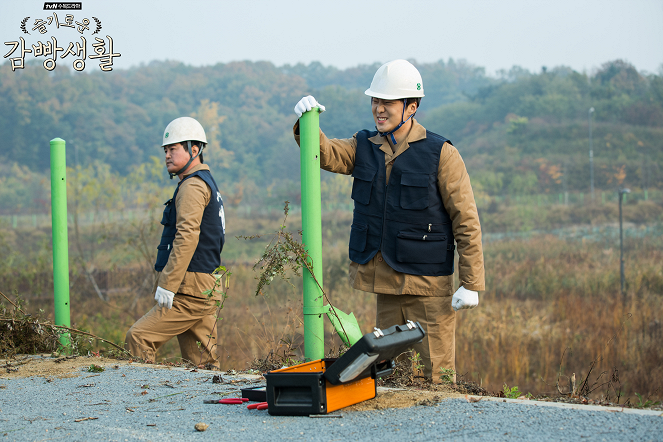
188,254
412,200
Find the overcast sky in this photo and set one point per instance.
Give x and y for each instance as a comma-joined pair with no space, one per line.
582,34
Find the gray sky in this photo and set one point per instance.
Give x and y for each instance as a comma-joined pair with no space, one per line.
582,34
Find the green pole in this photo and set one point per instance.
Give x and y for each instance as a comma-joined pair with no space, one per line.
60,240
309,130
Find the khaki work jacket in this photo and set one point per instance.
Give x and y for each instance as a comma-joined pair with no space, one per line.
190,203
338,156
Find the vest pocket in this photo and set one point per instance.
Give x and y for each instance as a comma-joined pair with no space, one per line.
163,252
166,212
421,248
358,234
414,191
362,184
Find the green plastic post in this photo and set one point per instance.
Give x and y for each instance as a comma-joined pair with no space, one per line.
314,332
60,239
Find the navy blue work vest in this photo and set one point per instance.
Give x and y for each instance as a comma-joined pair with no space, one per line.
207,256
405,219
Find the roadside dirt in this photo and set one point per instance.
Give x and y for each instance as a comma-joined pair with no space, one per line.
402,399
48,367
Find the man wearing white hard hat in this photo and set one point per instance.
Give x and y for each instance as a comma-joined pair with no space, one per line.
188,254
412,200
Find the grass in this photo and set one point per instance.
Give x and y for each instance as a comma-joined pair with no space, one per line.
552,308
551,296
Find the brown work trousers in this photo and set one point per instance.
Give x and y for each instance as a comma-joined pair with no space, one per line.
191,319
437,318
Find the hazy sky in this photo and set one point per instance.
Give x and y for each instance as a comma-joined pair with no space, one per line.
581,34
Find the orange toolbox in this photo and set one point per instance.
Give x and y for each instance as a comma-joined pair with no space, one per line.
326,385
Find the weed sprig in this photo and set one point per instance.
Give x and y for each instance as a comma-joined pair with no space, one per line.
286,253
217,294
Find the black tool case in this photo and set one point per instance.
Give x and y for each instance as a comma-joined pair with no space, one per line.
326,385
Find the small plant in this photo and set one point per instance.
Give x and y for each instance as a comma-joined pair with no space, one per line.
417,365
644,403
511,393
94,368
219,290
447,375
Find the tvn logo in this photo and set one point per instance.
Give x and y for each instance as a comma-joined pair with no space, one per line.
55,6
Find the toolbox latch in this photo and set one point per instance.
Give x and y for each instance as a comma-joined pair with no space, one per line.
408,326
377,332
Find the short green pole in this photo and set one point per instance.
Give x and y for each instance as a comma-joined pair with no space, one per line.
314,332
60,240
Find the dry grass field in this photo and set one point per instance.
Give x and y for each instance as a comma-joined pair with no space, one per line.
552,307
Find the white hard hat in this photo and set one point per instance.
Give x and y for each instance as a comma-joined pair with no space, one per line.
396,80
183,129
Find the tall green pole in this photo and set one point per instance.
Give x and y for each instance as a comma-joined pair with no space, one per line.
60,240
314,332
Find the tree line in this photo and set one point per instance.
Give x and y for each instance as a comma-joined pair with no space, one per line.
519,132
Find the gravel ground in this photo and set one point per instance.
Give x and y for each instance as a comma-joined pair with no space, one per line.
143,403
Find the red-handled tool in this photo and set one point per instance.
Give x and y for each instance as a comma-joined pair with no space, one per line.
257,406
227,401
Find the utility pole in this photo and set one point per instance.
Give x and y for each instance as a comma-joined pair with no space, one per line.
591,153
621,193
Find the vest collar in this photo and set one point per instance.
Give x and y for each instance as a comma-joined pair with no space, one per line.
417,133
196,169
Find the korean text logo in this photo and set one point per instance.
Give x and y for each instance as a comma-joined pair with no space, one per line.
50,49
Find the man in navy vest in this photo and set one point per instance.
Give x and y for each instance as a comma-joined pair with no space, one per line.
187,256
413,206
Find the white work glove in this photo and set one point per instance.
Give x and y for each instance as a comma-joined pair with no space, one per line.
464,298
306,104
164,297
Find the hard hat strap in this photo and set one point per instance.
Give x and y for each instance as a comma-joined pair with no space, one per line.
191,158
391,133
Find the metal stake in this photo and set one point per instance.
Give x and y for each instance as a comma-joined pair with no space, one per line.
314,332
60,238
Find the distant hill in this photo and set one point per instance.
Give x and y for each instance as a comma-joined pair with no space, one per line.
520,133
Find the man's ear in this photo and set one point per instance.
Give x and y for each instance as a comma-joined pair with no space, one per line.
194,150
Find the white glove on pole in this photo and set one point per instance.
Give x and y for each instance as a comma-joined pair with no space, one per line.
464,298
306,104
164,298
